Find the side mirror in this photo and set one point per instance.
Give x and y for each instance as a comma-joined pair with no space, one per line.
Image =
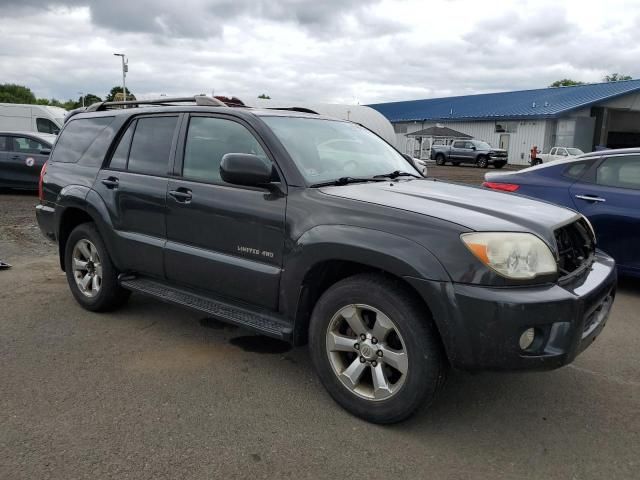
45,151
473,147
245,169
408,157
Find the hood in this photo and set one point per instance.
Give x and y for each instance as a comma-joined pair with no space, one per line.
471,207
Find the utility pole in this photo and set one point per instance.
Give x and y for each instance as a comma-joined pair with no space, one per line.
125,69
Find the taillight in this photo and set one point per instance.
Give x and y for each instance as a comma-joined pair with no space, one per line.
505,187
40,182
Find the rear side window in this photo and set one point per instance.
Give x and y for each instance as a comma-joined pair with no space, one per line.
576,170
151,145
3,144
458,144
77,137
44,125
119,158
621,172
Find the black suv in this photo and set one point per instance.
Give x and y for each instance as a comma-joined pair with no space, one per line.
311,229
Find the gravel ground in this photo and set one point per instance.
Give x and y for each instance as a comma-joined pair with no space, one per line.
154,391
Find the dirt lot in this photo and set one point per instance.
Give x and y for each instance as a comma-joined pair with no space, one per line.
153,391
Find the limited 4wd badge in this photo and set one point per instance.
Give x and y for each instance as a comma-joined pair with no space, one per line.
255,251
29,161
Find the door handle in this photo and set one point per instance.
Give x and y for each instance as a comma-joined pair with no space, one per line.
16,157
110,182
591,198
182,195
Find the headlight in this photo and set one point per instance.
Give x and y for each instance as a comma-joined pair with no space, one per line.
513,255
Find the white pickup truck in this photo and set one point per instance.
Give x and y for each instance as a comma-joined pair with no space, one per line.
556,153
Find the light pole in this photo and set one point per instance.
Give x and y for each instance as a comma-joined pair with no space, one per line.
125,69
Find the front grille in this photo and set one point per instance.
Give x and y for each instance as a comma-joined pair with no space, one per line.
576,247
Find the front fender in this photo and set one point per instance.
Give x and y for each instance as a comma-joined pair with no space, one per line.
391,253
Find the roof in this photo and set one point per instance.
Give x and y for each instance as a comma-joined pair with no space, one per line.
438,131
523,104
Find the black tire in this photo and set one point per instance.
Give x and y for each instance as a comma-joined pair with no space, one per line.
110,295
482,162
498,165
426,365
440,160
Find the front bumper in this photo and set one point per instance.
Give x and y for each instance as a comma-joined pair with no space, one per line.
481,326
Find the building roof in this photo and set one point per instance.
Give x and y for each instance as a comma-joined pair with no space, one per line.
438,131
524,104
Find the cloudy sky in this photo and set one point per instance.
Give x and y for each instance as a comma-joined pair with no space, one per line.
318,50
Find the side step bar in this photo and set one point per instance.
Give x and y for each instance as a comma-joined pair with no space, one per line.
262,322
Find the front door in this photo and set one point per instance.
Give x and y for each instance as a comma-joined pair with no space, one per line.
504,142
21,160
134,188
221,238
611,200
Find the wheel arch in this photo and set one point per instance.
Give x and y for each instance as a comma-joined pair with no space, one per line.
328,254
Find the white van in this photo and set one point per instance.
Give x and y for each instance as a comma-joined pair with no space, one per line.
17,117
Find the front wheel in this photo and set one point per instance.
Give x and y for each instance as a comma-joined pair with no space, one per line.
482,162
440,159
375,348
91,275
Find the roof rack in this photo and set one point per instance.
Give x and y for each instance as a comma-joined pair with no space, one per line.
200,100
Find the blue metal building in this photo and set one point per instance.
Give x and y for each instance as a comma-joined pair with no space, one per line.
582,116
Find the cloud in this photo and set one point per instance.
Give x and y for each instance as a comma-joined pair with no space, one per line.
316,50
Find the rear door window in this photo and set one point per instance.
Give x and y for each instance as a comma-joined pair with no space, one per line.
576,170
151,145
621,172
77,137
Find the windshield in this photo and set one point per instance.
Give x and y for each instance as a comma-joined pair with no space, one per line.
482,146
575,151
326,150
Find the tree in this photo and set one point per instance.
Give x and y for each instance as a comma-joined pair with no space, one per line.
616,77
89,98
566,82
264,96
12,93
111,97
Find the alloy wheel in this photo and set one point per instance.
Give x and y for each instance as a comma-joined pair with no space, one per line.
367,352
87,268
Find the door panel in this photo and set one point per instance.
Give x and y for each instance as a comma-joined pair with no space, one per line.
614,211
137,206
22,161
223,238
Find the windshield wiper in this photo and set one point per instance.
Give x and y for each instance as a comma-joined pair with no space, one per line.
397,174
347,180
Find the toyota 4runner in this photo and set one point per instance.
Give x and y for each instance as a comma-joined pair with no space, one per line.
310,229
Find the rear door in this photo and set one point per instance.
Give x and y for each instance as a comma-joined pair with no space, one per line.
610,198
22,160
457,150
134,187
221,238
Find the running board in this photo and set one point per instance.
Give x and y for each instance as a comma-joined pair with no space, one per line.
262,322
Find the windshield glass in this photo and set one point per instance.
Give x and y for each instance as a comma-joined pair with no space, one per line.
326,150
574,151
482,145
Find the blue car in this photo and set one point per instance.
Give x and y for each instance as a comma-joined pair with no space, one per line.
604,186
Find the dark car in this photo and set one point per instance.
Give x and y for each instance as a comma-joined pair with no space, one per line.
469,151
604,186
22,155
311,229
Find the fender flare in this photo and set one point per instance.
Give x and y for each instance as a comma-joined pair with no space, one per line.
388,252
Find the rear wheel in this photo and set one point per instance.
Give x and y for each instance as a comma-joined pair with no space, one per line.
482,162
440,160
375,349
92,278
